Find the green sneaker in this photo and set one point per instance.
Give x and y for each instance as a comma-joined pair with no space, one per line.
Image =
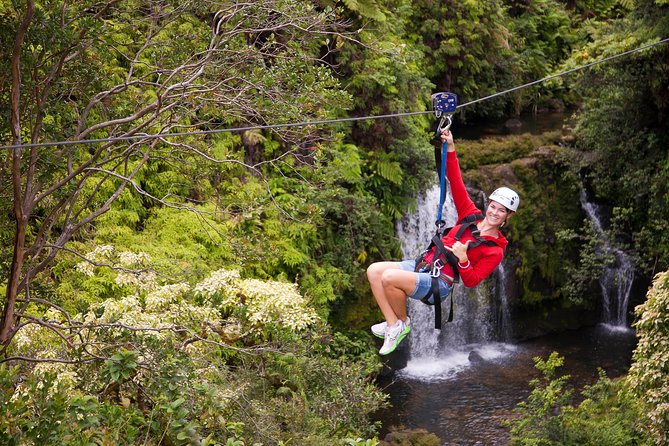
393,336
379,330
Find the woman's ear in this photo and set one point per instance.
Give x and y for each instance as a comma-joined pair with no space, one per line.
506,220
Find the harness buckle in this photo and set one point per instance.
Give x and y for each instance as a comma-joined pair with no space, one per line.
436,268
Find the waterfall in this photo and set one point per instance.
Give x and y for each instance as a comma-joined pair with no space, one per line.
617,278
503,320
437,354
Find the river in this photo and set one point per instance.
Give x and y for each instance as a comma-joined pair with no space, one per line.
466,404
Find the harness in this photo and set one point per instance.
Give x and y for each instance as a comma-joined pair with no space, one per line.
444,105
442,254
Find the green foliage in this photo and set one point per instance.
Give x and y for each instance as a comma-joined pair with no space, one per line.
121,366
608,414
354,347
543,37
388,76
625,113
598,10
543,269
647,376
592,261
366,8
500,150
227,360
39,410
361,442
466,47
548,396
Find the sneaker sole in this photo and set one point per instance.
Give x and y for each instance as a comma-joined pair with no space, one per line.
400,338
382,335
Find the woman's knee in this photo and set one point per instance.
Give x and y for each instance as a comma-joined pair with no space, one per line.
391,277
374,271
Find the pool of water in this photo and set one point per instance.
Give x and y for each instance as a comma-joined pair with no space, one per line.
464,395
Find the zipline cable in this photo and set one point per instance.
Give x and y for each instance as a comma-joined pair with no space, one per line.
327,121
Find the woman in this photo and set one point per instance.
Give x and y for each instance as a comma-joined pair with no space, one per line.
393,282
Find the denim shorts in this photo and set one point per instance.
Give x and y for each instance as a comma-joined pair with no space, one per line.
424,282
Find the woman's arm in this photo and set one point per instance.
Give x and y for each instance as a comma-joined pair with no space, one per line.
464,205
473,271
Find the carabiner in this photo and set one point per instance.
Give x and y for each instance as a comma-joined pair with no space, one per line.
441,129
436,268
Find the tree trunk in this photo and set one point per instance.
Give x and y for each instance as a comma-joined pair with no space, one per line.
21,208
13,282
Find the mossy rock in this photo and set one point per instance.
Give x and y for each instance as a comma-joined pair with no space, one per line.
410,437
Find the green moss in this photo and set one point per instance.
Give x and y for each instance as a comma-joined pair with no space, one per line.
537,169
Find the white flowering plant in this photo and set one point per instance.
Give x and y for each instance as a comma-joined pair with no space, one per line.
192,357
648,375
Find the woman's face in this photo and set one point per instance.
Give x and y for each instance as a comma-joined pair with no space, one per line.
496,214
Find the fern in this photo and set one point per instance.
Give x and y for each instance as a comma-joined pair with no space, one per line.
388,170
366,9
627,4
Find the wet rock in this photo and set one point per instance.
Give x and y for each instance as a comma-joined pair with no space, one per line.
475,357
513,125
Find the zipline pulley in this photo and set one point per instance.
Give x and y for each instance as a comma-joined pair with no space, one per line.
444,105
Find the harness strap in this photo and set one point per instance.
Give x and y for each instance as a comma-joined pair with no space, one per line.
440,252
441,164
435,293
436,296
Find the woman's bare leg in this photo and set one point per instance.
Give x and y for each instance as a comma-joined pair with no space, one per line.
390,286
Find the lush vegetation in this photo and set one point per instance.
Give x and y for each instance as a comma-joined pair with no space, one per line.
208,287
607,414
649,369
630,410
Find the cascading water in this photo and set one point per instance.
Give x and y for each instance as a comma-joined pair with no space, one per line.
617,278
437,354
503,320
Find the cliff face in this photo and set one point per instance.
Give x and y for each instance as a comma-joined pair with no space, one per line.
549,239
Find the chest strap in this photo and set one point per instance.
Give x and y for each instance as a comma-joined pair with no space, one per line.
434,267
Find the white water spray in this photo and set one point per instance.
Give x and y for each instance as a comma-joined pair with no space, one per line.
439,354
616,280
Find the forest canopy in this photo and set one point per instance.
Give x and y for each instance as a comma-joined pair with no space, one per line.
208,286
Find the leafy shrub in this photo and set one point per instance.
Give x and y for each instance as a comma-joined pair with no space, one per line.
608,415
650,368
224,360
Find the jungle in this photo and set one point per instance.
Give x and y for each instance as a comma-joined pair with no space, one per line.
191,192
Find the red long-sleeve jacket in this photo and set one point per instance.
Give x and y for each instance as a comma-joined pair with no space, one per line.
483,258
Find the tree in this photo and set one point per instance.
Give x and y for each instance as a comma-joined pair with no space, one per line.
112,74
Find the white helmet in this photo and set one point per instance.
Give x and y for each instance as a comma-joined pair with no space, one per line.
506,197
